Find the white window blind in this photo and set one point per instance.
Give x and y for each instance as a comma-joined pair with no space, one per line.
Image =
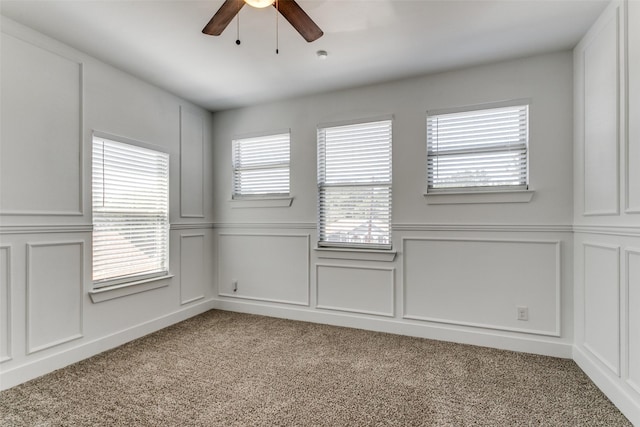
480,149
354,185
261,166
130,212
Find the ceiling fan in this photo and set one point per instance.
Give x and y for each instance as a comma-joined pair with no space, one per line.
292,12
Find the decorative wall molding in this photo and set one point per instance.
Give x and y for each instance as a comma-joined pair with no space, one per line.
390,297
191,226
80,140
556,332
632,333
45,229
552,228
30,295
612,365
263,271
525,228
610,230
268,225
595,114
5,310
632,107
183,114
184,261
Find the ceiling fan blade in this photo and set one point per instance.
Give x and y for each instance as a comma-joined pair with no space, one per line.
223,16
299,19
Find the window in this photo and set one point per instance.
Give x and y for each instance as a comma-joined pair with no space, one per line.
261,166
130,212
479,149
354,185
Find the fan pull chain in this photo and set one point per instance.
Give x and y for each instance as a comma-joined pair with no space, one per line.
277,32
238,27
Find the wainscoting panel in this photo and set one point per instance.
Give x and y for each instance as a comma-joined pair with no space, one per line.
192,267
601,126
5,303
44,154
633,318
602,303
633,97
483,282
54,293
191,165
267,267
368,290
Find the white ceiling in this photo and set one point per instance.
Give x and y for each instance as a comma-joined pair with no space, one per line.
368,41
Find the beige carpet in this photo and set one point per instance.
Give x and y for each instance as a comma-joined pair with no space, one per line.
230,369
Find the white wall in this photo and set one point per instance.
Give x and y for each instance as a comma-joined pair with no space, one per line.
53,98
461,269
607,205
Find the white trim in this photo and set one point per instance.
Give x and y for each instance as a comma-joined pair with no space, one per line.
355,254
455,197
189,236
261,202
191,226
593,33
450,333
7,323
625,116
279,301
521,228
619,396
29,263
110,292
533,228
266,225
180,127
635,386
392,285
81,166
250,298
44,229
614,369
558,290
610,230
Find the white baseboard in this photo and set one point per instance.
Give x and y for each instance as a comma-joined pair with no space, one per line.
29,371
441,332
625,399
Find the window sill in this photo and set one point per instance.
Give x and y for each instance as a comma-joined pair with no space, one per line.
262,202
116,291
468,197
356,254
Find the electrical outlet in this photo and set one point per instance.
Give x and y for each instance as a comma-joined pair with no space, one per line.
523,313
235,285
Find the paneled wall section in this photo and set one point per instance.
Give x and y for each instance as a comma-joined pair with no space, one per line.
607,219
457,272
53,99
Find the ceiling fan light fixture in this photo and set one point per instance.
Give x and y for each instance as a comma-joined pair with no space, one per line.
260,3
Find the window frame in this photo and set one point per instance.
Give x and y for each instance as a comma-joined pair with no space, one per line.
326,245
137,278
271,199
482,193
